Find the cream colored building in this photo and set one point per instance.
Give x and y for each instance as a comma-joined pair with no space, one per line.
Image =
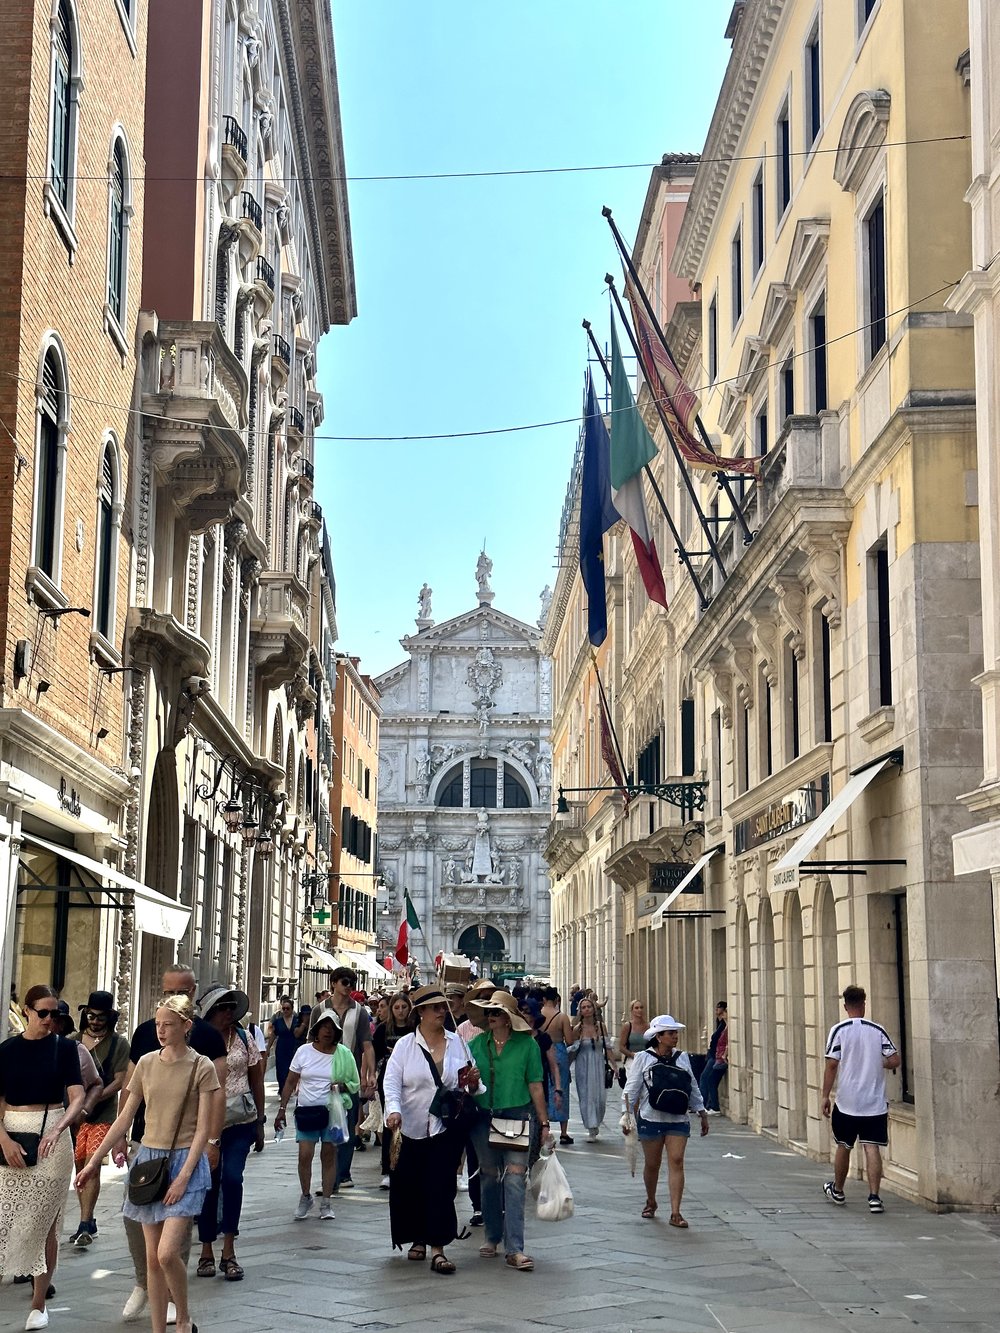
823,689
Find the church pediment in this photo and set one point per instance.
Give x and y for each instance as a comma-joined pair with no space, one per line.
483,625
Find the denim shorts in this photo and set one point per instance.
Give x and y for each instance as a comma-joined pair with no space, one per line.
650,1130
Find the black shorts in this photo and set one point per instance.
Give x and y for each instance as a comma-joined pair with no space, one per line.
851,1129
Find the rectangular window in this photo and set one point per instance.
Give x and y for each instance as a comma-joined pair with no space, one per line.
687,738
826,680
865,10
713,340
787,386
760,431
768,727
757,220
794,740
883,650
814,98
736,253
875,284
743,754
784,156
817,356
905,1015
716,773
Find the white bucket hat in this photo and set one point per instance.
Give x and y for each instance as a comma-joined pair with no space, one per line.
662,1023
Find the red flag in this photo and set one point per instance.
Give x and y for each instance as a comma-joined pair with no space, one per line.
678,401
609,746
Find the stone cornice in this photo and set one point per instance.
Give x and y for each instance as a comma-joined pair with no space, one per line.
903,425
307,34
440,636
746,64
22,732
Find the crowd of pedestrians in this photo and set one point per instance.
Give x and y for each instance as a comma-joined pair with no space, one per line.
462,1088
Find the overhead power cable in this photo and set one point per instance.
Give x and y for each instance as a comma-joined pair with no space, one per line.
501,430
500,172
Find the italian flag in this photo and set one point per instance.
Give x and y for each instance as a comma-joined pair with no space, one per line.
409,922
631,449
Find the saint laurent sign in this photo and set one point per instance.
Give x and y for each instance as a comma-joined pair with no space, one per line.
791,812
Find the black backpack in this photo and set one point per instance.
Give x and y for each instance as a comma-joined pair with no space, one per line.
668,1085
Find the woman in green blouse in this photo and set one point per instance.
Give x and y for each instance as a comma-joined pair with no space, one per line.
510,1064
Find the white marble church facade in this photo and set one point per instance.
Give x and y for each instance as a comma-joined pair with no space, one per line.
464,792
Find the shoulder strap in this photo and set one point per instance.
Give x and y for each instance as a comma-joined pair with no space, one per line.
177,1129
430,1060
243,1037
493,1072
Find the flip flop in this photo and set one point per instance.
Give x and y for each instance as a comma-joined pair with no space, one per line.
418,1253
649,1210
677,1221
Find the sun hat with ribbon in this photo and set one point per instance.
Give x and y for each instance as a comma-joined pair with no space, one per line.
502,1002
662,1023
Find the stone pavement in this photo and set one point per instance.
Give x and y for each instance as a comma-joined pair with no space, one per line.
765,1251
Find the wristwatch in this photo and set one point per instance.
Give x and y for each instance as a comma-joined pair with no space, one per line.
214,1143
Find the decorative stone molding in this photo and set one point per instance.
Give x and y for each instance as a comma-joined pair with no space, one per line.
722,683
792,610
765,636
824,572
808,251
743,663
863,134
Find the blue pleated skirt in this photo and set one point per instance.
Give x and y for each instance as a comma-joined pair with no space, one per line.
194,1196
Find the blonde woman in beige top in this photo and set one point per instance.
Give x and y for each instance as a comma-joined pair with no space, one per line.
181,1090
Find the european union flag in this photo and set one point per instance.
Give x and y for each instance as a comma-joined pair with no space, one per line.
597,514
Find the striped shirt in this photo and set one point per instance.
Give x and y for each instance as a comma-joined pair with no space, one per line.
860,1046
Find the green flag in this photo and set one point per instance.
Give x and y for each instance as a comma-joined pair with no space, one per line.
631,446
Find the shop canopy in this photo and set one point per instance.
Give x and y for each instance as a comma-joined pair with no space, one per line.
154,912
655,920
840,804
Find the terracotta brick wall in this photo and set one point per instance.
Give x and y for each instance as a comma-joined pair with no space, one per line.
43,287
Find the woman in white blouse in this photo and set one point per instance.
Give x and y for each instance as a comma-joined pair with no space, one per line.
422,1186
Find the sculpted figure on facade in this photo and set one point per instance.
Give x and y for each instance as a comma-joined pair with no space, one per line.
424,601
451,871
546,600
484,569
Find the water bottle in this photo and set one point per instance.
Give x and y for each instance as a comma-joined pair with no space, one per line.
279,1134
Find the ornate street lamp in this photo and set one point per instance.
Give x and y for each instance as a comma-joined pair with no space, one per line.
687,795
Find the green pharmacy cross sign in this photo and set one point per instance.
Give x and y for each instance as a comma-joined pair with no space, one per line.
322,919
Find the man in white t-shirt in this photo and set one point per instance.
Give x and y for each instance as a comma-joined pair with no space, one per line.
858,1052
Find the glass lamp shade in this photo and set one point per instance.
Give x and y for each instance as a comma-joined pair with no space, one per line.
232,814
264,847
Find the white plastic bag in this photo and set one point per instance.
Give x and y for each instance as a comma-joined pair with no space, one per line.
372,1123
338,1118
555,1198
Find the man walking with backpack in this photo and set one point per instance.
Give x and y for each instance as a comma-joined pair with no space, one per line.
660,1094
110,1053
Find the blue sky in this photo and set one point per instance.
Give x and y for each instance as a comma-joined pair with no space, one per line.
471,292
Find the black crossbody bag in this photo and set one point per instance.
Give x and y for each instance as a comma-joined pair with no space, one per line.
149,1181
455,1109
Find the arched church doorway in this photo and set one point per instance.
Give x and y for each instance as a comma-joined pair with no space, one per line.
489,951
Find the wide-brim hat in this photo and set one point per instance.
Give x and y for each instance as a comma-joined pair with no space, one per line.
430,994
662,1023
478,994
454,990
216,995
101,1002
322,1017
502,1002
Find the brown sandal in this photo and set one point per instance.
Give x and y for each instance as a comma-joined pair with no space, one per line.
649,1210
418,1253
206,1268
230,1269
677,1221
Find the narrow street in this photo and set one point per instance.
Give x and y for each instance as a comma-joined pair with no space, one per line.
765,1251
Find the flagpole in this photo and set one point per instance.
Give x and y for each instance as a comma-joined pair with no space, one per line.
685,475
723,479
680,547
607,710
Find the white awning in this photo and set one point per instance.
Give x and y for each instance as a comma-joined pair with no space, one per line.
977,849
364,962
825,821
154,912
323,958
654,920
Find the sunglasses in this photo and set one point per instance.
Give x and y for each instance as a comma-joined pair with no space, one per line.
46,1013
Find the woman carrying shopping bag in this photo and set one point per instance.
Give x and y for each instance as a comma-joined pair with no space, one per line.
322,1079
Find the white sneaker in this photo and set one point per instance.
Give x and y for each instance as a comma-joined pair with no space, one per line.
326,1213
591,1135
37,1319
135,1305
304,1207
384,1183
171,1313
